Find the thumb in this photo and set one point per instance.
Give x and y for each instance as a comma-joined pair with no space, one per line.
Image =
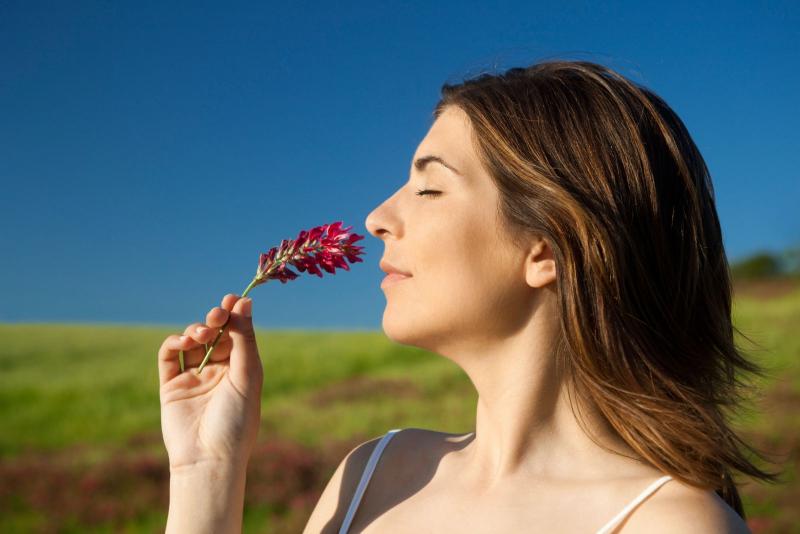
245,363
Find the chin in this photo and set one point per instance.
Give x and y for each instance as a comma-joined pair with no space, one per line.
402,329
398,329
416,332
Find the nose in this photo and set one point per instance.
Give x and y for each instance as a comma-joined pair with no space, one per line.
383,220
372,223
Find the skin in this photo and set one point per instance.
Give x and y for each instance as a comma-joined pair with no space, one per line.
527,466
495,315
491,308
210,422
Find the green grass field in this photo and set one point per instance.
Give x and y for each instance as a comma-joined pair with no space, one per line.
81,450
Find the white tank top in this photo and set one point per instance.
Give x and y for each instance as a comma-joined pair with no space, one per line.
376,454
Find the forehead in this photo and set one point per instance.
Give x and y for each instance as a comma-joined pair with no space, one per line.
450,137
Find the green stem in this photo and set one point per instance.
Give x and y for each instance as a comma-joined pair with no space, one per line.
222,329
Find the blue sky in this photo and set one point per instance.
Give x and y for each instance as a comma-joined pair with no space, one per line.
150,152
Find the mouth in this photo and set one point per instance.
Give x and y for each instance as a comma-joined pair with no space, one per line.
393,278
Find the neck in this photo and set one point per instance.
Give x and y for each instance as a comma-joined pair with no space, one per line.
525,425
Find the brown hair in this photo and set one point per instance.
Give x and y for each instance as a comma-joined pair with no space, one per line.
608,174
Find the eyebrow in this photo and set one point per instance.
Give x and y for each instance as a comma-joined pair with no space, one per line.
423,161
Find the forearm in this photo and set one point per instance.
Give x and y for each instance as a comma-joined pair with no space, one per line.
208,498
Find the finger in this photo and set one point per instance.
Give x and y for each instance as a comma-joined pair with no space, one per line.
202,337
217,320
229,300
200,333
221,352
192,357
168,354
193,354
217,317
245,365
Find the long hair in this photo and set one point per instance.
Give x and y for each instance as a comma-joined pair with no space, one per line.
608,174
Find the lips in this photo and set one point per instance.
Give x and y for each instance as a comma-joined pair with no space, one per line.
390,269
393,278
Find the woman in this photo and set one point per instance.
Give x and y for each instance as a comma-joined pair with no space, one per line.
561,244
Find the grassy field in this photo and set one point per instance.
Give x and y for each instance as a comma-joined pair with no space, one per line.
81,449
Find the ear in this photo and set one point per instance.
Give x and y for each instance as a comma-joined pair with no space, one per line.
540,265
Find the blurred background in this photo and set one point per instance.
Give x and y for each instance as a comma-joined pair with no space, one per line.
150,152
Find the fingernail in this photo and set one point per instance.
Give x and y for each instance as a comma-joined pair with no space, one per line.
183,338
200,329
247,307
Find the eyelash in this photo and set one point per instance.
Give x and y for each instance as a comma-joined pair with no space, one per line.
428,192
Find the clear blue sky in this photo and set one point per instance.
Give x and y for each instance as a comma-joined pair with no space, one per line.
149,153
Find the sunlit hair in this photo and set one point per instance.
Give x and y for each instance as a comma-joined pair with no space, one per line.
607,173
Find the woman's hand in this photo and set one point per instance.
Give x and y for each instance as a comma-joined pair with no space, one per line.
212,419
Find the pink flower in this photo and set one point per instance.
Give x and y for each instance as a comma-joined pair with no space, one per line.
325,246
309,251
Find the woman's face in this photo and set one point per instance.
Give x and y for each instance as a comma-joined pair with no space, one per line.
468,285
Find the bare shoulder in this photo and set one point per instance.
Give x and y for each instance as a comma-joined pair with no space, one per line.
407,446
419,444
332,505
679,507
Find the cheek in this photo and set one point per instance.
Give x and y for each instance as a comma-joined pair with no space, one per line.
471,273
465,285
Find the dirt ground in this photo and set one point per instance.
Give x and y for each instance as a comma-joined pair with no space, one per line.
765,288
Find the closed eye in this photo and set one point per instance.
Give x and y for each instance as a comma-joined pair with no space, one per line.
428,192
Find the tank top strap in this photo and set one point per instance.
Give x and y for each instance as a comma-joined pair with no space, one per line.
365,477
617,519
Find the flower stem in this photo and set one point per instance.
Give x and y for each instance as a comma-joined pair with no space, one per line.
223,327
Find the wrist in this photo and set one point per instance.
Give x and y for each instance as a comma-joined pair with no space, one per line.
206,497
216,467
